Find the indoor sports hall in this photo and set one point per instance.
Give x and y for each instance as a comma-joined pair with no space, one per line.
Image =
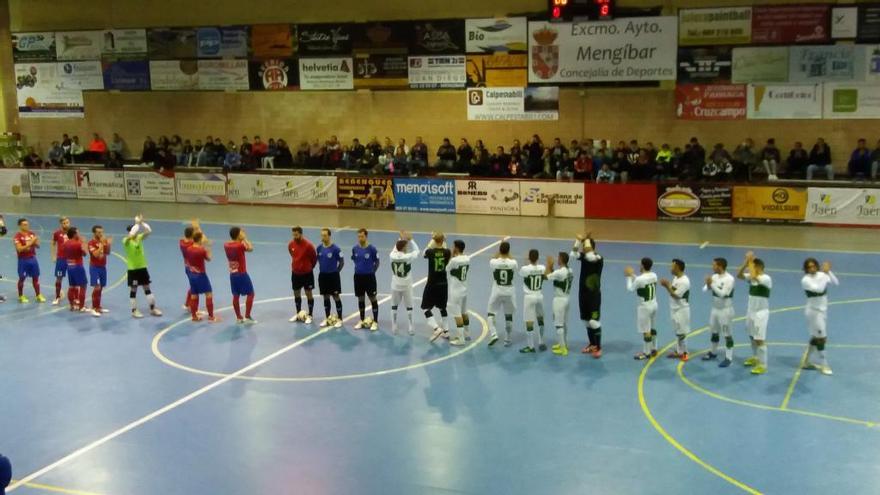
164,144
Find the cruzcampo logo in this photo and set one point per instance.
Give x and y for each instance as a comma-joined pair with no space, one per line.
845,100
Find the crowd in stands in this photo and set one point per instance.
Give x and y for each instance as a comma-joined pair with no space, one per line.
581,160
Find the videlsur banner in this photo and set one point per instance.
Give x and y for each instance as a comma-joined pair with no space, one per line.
628,49
843,206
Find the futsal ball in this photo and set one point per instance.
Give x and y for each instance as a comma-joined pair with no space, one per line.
368,321
301,316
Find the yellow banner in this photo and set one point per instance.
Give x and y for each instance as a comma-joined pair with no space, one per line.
500,70
770,203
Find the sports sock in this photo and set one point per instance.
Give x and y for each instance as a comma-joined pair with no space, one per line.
326,306
560,336
58,288
762,354
394,317
530,333
597,334
491,319
374,305
362,308
653,340
36,283
209,303
646,343
460,329
820,350
432,322
682,344
132,298
72,292
188,296
20,287
236,306
715,340
194,305
591,335
297,300
728,348
508,325
248,305
540,331
338,301
311,302
754,346
96,297
151,299
409,317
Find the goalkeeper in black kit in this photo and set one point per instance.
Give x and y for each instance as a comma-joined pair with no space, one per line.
590,291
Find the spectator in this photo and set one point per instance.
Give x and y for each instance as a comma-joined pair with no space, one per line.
175,146
534,152
32,159
333,153
499,163
820,159
232,160
875,162
117,147
56,155
5,473
301,159
268,158
652,150
97,150
676,169
374,151
602,155
860,161
606,175
632,160
663,162
401,158
76,151
316,155
515,169
744,160
516,150
386,162
165,159
418,156
445,156
771,158
643,169
583,165
284,159
719,165
206,156
188,156
479,165
798,159
219,152
65,145
465,155
200,154
148,154
356,154
259,148
556,160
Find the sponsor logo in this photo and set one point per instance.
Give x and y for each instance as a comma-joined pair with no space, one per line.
433,39
332,38
780,199
869,208
425,188
209,42
475,97
679,202
274,74
824,208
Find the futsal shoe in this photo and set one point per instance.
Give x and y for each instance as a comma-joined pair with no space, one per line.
709,356
374,327
96,313
654,353
41,298
826,370
437,333
588,349
239,321
23,299
308,320
527,350
249,321
412,331
185,308
641,356
560,350
214,319
104,310
554,347
2,299
673,355
542,347
56,301
457,342
750,361
393,329
156,312
685,357
492,339
467,335
325,323
759,369
597,353
337,323
137,314
507,343
810,366
360,325
725,363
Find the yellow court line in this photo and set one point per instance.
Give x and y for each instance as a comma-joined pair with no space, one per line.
56,489
794,380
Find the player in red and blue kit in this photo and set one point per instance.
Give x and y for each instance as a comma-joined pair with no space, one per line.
196,256
99,248
330,263
366,262
26,244
185,242
239,280
59,237
74,251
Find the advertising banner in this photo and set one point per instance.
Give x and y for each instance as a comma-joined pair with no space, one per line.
273,74
784,101
326,73
52,183
710,102
869,23
223,75
871,57
41,93
316,40
125,42
372,193
789,24
567,199
621,201
843,206
770,203
825,63
844,22
79,45
424,195
437,72
704,65
33,47
174,75
13,183
378,71
222,42
487,197
535,103
718,26
147,185
496,35
851,101
195,187
760,64
282,189
126,75
437,37
500,70
273,41
694,203
390,38
100,184
171,43
627,49
81,76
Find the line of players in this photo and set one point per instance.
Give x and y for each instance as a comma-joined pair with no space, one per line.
445,287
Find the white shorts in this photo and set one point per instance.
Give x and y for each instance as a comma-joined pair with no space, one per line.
720,321
756,324
501,304
457,303
560,311
816,320
402,295
681,320
645,316
533,307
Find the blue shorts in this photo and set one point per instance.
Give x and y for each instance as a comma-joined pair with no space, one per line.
98,275
241,284
60,267
199,283
76,276
28,267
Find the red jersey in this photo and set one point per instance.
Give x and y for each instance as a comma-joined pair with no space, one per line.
96,259
235,253
21,239
303,256
184,245
73,252
196,257
60,237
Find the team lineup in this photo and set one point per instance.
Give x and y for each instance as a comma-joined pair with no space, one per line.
445,290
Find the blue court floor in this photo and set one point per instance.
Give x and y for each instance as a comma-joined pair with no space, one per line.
162,405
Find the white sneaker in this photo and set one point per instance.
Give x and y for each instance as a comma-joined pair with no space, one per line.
308,320
360,325
105,310
826,370
325,323
457,342
156,312
437,333
374,326
412,331
240,321
249,321
337,323
507,343
137,314
810,366
293,319
96,313
467,335
185,308
393,329
56,301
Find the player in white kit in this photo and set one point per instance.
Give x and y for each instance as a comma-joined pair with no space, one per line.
458,268
721,284
562,279
402,256
815,283
679,307
758,312
645,287
504,269
533,301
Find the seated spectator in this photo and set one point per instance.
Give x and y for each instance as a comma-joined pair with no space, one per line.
232,160
356,154
187,157
284,158
374,151
718,166
652,151
663,162
516,150
820,159
676,163
77,152
499,163
583,165
605,174
860,161
418,156
745,159
534,157
32,159
696,159
401,158
479,166
200,154
259,148
65,145
165,159
116,146
268,158
56,155
557,159
219,152
644,168
465,156
148,154
386,162
97,150
603,154
797,162
333,153
632,160
445,156
316,155
175,146
301,159
771,159
516,169
875,162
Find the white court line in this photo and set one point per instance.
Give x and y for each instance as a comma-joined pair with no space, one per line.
207,388
704,244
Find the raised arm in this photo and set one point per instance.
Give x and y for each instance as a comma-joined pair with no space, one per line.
746,266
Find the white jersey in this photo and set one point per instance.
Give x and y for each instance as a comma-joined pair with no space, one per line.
401,266
681,287
816,287
458,268
503,271
645,286
759,292
721,286
562,280
533,279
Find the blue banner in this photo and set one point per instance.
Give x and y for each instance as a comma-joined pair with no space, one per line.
222,42
127,75
425,195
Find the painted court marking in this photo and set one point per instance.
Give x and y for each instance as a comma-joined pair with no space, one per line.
57,489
